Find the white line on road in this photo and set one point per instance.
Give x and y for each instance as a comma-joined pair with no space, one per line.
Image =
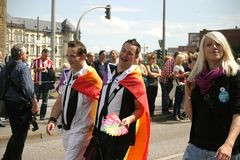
171,157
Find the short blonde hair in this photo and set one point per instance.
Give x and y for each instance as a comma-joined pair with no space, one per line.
227,62
180,59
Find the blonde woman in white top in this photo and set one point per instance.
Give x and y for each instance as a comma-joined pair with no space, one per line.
179,76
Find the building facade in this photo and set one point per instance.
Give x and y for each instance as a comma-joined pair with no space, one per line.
36,35
232,35
3,25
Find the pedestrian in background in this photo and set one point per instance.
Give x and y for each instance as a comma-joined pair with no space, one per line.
154,72
124,93
191,60
177,92
113,57
76,103
44,75
166,81
20,101
91,59
100,64
212,102
1,84
140,63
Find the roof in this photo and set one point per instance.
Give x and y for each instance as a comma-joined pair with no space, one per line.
31,24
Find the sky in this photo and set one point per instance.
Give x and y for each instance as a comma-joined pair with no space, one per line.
140,19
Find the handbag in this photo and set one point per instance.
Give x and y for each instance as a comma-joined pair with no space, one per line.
93,150
3,110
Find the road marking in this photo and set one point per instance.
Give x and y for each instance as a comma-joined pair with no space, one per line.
171,157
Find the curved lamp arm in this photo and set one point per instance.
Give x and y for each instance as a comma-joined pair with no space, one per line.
76,36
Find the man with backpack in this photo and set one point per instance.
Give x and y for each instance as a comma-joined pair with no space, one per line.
44,79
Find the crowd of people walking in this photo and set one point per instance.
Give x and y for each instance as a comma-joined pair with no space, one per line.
202,87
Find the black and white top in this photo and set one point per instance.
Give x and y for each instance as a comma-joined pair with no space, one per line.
77,112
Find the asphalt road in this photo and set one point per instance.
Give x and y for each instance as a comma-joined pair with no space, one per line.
168,139
167,142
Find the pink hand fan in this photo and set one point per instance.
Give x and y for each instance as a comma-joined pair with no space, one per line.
112,125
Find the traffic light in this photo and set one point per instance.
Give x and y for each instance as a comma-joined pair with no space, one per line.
108,12
159,53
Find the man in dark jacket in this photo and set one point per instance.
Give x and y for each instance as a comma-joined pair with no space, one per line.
1,83
20,101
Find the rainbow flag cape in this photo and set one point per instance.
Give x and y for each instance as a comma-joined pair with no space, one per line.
89,84
134,83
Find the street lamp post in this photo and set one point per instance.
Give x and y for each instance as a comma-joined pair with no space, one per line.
53,27
37,36
77,35
163,27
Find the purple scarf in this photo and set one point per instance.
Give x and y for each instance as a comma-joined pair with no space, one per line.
207,78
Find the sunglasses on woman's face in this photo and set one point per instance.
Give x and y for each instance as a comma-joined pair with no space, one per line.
189,61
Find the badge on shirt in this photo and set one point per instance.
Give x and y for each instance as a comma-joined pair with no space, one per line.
223,95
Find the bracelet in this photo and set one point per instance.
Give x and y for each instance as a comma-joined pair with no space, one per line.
189,98
52,119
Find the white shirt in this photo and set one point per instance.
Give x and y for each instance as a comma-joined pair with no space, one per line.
84,116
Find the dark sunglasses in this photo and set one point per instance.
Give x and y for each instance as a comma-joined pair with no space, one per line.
189,61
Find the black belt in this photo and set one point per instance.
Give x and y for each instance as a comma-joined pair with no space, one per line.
65,127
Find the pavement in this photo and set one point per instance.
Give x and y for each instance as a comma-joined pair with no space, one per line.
5,132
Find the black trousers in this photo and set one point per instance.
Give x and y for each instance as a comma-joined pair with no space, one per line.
112,148
19,116
151,95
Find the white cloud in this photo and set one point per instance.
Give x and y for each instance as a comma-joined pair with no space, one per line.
116,23
155,32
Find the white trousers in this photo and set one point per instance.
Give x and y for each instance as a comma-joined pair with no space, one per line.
76,143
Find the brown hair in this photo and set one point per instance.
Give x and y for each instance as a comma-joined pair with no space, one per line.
81,47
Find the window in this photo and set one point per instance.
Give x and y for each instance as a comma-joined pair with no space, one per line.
26,38
44,41
20,39
32,49
7,36
59,51
48,39
32,38
15,37
60,40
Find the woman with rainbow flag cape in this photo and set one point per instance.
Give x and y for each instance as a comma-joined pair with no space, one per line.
124,94
76,104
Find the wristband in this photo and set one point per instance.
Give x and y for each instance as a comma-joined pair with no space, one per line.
52,119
